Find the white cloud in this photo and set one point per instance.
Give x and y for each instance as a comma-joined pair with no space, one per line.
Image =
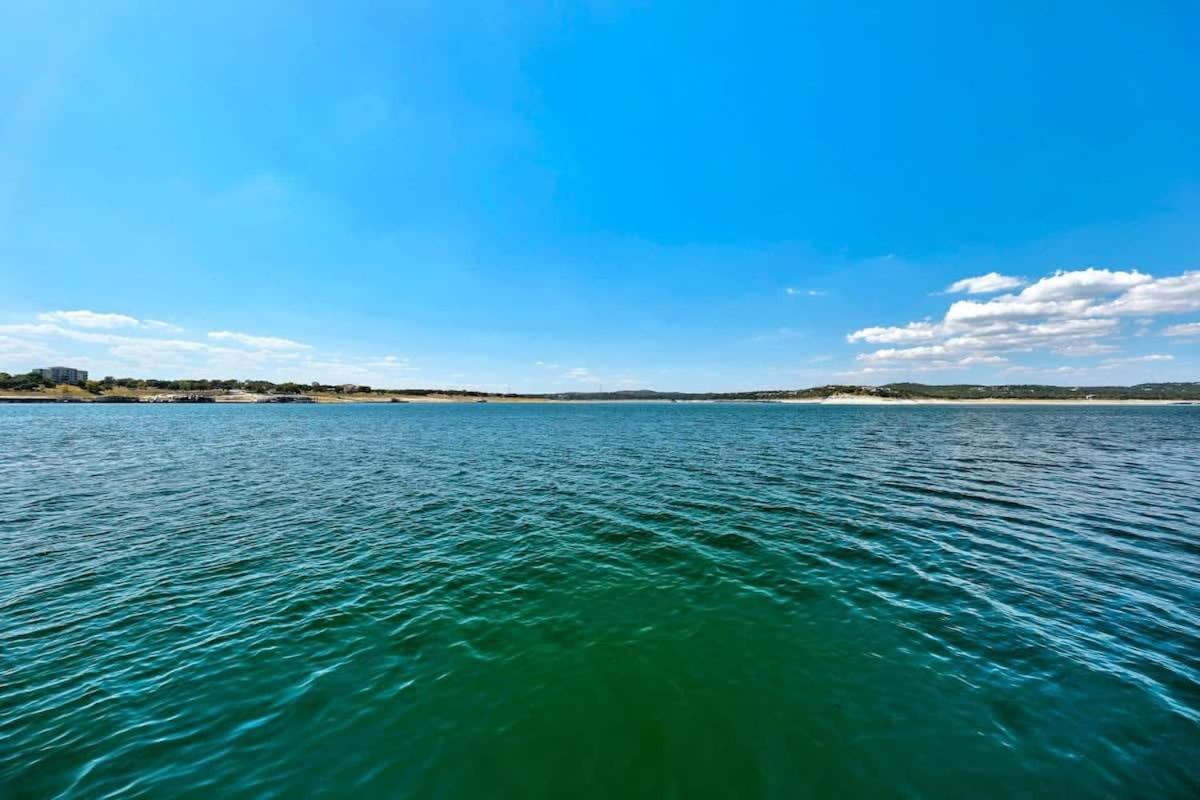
903,354
970,361
792,290
73,334
90,319
82,318
1084,349
29,328
144,351
1083,284
1183,329
1176,295
1111,363
18,351
152,354
1063,294
1075,313
912,332
1025,336
982,284
1012,307
178,354
260,342
866,372
143,354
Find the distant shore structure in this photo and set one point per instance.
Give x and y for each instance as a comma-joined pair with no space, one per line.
62,374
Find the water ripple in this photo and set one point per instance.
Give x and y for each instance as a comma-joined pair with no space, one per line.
599,600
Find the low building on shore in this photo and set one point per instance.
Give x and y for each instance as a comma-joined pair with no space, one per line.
58,375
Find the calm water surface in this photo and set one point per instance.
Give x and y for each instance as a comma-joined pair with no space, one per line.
599,601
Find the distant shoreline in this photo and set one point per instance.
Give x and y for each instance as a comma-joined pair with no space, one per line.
38,398
987,401
35,387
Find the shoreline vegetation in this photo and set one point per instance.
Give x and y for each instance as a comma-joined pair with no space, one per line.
33,388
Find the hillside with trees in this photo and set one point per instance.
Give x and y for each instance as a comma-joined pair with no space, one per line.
34,382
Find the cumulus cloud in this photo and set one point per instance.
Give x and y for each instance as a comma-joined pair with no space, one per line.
912,332
1083,284
260,342
1073,313
1176,295
792,290
984,284
1012,307
1063,294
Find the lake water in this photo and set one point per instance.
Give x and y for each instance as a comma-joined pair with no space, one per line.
600,600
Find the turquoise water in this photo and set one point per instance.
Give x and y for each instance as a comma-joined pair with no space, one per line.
599,601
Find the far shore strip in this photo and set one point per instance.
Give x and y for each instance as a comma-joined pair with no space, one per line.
833,400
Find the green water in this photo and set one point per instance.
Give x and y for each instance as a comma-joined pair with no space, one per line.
599,601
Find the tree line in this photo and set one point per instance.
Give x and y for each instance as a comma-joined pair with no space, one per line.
35,380
1145,391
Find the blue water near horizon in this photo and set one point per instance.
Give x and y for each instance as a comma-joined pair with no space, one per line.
635,600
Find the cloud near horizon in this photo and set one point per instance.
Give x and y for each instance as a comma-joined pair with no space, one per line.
260,342
598,382
83,318
1076,313
124,345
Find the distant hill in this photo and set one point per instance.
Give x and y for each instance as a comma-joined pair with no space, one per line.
918,391
1142,391
36,383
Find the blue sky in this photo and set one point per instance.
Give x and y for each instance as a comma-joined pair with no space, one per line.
573,196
